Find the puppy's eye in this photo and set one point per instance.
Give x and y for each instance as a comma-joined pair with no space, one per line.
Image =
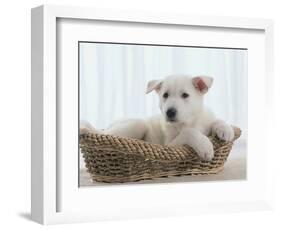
166,95
185,95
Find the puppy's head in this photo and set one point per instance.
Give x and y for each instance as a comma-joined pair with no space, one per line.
180,97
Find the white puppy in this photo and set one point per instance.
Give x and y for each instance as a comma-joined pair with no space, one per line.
184,119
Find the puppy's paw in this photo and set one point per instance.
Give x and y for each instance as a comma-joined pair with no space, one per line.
84,130
86,127
224,131
205,149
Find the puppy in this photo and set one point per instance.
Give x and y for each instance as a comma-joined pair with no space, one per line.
184,119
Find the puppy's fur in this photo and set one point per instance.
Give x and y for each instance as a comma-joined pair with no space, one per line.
184,119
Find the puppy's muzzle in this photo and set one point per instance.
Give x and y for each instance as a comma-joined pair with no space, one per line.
171,114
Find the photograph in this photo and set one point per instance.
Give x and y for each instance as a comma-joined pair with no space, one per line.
143,114
156,113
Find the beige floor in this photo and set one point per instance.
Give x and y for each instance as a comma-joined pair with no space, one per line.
234,169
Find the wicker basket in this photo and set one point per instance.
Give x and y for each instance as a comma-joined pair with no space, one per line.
117,159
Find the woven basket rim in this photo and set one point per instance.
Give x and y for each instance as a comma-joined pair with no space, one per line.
91,135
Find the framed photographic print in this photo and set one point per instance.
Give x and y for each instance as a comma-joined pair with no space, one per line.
138,114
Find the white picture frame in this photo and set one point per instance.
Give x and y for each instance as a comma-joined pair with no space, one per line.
46,184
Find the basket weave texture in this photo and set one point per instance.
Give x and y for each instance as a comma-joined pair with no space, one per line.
116,159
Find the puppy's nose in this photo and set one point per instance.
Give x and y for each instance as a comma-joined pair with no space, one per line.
171,113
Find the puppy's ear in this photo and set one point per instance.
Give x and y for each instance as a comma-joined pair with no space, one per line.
202,83
153,85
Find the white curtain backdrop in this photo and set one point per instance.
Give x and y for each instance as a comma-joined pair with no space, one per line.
113,80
